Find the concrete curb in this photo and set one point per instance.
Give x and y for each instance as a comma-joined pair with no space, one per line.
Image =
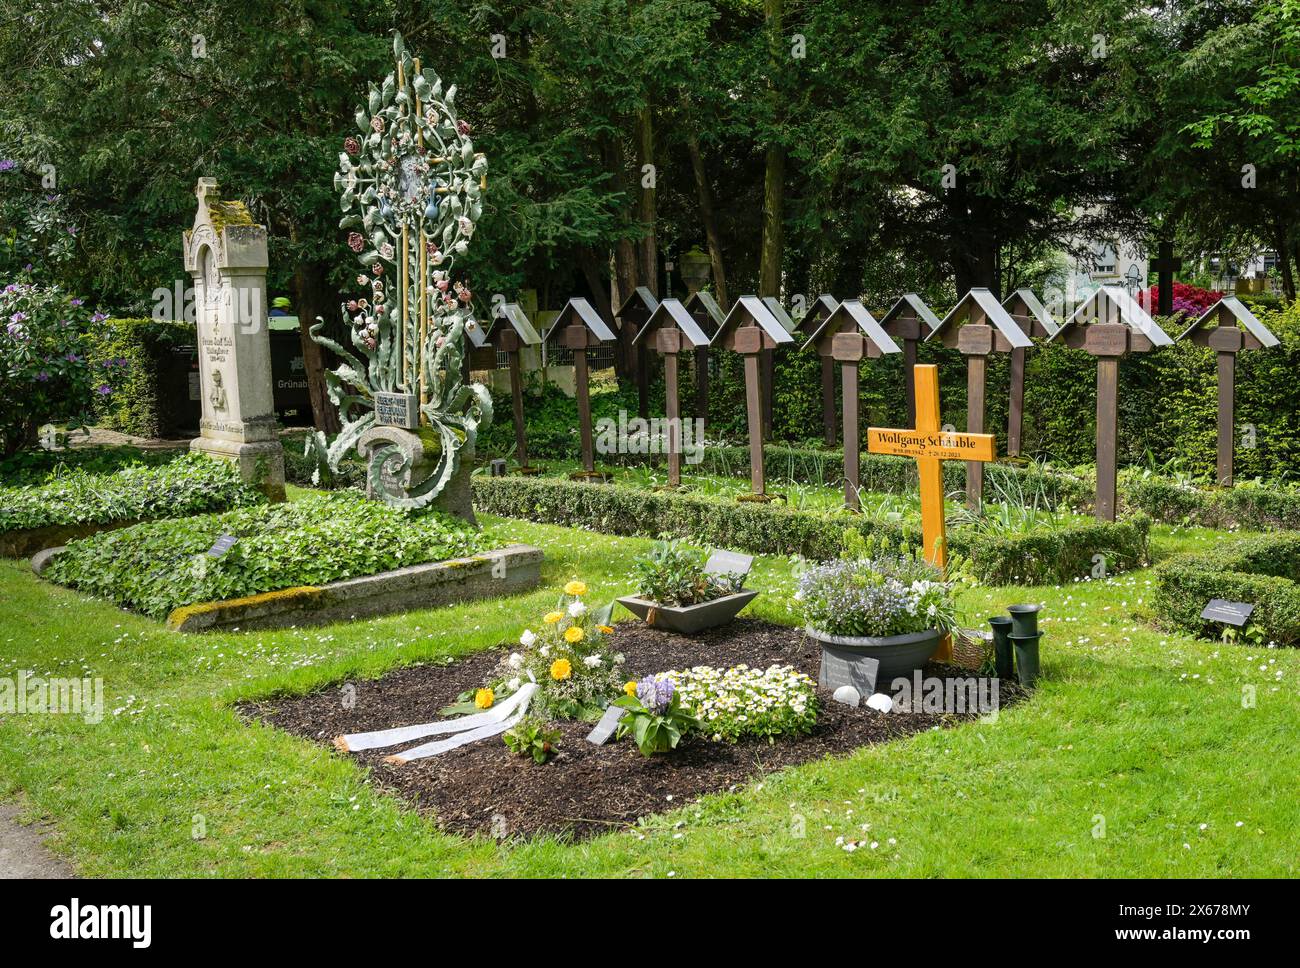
503,571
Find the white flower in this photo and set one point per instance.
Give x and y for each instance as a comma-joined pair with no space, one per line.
592,661
516,660
528,639
545,651
577,608
513,684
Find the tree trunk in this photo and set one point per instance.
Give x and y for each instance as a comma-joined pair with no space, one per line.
1284,260
600,290
313,297
769,268
647,248
711,234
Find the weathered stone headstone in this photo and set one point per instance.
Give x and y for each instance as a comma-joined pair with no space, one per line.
225,253
839,669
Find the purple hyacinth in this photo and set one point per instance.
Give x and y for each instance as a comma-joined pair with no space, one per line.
654,694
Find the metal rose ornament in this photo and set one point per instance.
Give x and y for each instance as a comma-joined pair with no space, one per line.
410,187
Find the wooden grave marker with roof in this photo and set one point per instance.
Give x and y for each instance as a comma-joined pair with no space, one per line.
851,334
708,315
1228,327
749,329
670,330
581,328
635,312
810,323
978,326
1037,323
509,332
908,322
1109,325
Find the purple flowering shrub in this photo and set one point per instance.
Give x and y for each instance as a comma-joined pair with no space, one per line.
45,373
876,597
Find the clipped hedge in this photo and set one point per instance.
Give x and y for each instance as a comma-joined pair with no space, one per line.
150,395
1243,506
189,484
159,566
1048,557
1263,570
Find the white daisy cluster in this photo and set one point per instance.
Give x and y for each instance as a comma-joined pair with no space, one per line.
740,701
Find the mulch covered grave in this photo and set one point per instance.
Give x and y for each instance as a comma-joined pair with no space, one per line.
586,790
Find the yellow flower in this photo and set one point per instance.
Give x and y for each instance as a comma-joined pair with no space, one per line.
575,587
552,617
607,629
574,633
483,698
630,688
561,669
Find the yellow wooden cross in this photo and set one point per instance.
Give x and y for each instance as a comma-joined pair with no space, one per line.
931,445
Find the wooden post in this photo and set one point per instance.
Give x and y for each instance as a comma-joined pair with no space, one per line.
1015,413
852,436
642,379
976,340
1165,265
674,416
702,384
768,357
828,399
509,341
754,408
576,337
1227,360
1107,434
909,376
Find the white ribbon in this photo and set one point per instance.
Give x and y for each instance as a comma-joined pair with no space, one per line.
470,729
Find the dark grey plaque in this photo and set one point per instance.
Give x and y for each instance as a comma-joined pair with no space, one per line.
1229,613
222,545
847,669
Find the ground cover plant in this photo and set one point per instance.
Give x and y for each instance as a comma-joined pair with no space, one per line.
187,484
155,567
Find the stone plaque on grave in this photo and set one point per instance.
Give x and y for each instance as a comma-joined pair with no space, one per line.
225,254
842,669
607,726
222,545
397,410
728,563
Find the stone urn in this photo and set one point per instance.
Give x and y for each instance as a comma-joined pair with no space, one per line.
898,655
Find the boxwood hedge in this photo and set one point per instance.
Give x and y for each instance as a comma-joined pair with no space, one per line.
1262,570
1046,557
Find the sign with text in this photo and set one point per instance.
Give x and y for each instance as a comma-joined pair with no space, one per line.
397,410
932,443
1229,613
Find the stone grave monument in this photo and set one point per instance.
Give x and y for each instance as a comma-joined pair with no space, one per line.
225,254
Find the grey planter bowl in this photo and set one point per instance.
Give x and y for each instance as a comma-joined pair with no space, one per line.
688,619
898,655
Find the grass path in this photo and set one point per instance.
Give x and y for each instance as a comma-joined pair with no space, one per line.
1137,756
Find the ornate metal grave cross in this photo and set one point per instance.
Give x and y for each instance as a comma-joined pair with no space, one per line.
931,446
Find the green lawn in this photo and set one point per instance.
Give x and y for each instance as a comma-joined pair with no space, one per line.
1144,729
